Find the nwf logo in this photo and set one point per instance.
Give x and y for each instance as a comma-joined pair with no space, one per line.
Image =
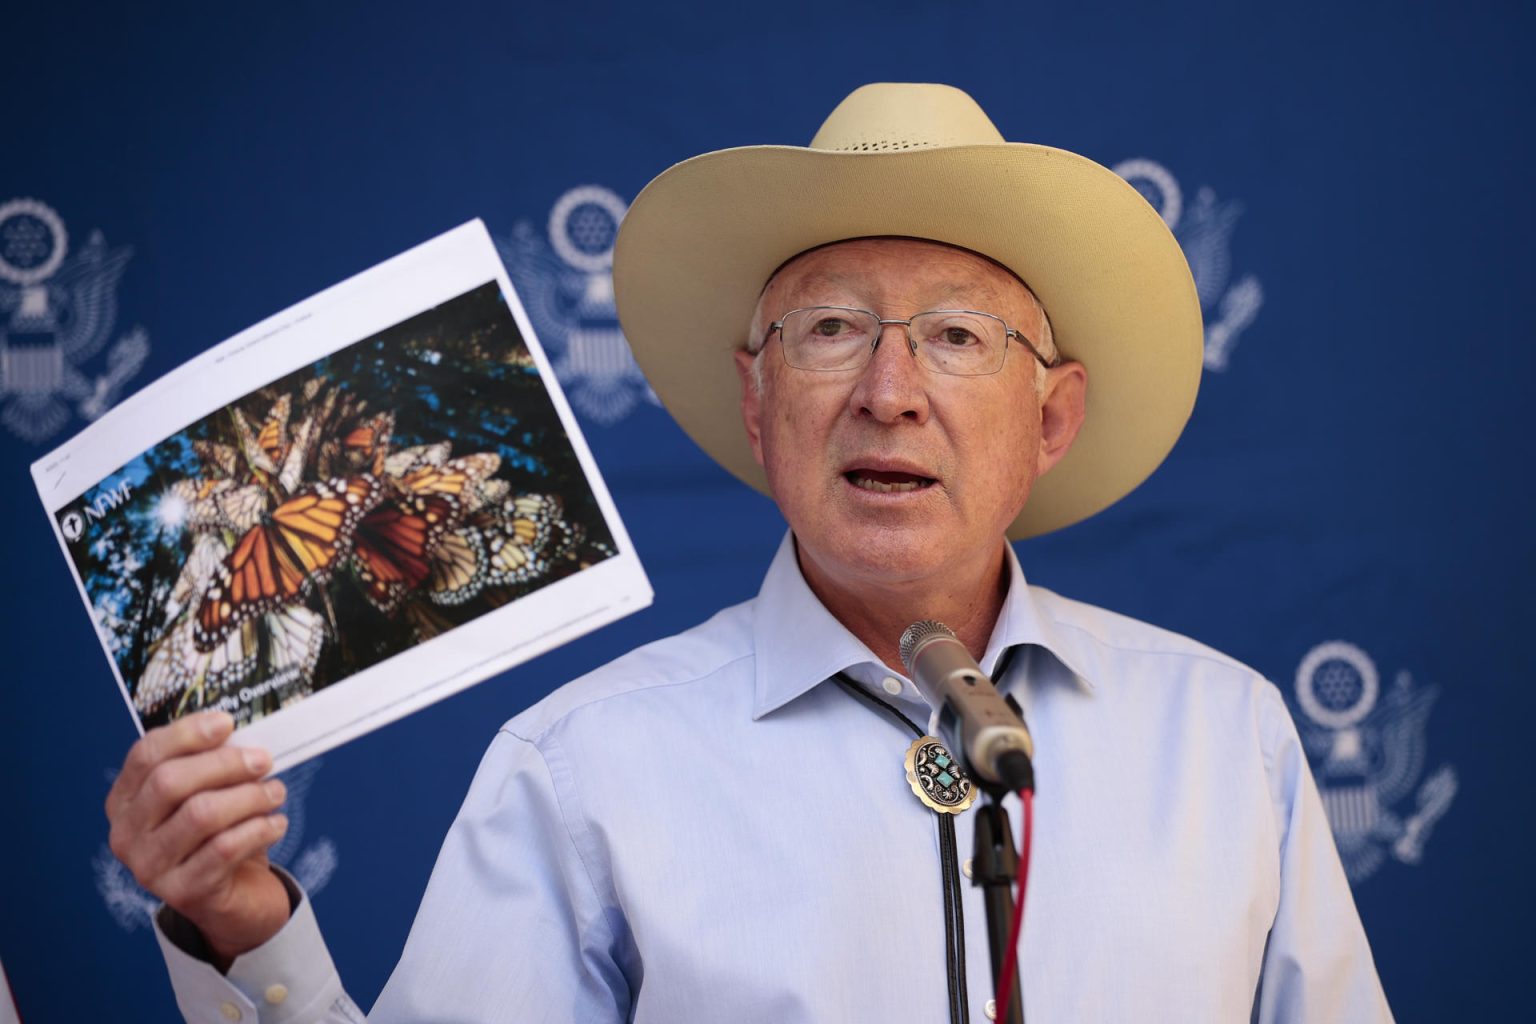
107,500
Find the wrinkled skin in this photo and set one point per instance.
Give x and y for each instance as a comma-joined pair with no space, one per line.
973,445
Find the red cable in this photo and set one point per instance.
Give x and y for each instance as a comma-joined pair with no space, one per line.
1005,980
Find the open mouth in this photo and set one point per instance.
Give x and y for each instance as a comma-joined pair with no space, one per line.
885,482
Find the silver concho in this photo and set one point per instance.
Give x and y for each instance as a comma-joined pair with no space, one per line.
937,778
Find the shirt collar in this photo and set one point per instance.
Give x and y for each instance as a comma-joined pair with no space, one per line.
800,645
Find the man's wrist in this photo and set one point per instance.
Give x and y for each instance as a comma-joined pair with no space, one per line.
187,937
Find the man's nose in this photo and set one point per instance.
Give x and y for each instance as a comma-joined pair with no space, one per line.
892,385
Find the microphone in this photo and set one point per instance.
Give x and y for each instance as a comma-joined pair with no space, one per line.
975,721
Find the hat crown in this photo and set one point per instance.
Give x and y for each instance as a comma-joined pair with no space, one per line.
890,116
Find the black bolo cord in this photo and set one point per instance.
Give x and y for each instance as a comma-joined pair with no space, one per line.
949,856
954,912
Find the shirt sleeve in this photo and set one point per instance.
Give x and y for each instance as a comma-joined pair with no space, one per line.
511,927
288,980
1317,964
519,921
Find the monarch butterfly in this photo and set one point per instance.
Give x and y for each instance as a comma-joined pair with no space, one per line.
284,556
392,551
294,637
364,445
406,459
458,567
516,534
297,456
208,551
286,642
220,459
273,439
397,540
264,448
219,504
458,477
178,669
493,492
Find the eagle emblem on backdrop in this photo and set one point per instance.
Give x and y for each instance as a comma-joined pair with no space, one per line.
57,313
131,906
564,275
1204,229
1367,747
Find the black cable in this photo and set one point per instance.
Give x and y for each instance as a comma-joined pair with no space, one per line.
949,857
947,838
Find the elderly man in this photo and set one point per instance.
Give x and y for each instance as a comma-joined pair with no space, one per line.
719,825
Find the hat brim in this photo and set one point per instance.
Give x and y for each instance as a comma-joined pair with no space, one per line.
700,241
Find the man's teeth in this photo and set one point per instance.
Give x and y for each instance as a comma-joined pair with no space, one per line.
868,484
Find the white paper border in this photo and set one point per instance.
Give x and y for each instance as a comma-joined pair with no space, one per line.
354,310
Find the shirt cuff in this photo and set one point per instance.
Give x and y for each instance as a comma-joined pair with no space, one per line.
288,978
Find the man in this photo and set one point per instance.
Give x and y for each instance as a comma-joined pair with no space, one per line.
717,826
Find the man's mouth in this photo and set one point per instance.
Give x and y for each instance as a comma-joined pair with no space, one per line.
885,481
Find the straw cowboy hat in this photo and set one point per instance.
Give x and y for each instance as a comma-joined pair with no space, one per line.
922,161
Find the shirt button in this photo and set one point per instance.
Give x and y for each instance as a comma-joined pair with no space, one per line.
892,685
991,1009
965,869
230,1011
275,994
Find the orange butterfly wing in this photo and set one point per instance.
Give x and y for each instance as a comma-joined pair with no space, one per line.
285,556
394,544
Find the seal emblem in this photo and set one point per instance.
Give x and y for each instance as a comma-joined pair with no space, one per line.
1204,230
1366,744
566,283
57,310
937,778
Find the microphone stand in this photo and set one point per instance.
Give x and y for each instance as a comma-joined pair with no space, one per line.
995,867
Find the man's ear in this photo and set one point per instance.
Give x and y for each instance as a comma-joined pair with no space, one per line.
751,402
1062,406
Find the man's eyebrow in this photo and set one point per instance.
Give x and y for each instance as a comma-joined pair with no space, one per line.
945,292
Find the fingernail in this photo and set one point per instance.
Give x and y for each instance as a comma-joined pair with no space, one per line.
257,760
280,822
276,791
217,722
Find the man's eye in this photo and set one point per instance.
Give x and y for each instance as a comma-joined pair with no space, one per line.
959,337
831,327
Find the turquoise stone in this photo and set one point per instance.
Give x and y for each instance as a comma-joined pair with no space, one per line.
945,779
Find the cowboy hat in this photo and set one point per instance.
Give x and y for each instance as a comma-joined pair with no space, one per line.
922,161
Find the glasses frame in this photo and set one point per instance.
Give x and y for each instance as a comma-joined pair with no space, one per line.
882,323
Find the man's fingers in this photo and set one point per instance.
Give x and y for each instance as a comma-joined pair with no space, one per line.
172,782
205,872
201,817
188,735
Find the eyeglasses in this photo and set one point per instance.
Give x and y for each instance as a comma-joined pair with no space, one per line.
961,342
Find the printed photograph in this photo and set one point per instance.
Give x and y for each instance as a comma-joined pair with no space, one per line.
379,497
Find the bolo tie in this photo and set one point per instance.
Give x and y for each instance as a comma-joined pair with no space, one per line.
942,785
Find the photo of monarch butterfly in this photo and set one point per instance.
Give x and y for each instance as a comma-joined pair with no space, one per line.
384,495
279,559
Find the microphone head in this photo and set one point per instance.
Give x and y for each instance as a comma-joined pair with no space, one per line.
918,634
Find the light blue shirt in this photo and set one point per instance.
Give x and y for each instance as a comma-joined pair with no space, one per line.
708,830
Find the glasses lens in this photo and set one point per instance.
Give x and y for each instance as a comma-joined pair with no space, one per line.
828,337
960,342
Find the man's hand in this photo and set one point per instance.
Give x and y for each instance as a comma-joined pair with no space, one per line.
192,820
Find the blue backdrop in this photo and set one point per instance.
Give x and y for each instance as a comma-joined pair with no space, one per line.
1348,511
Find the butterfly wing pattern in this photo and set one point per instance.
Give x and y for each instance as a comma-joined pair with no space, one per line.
305,520
282,558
